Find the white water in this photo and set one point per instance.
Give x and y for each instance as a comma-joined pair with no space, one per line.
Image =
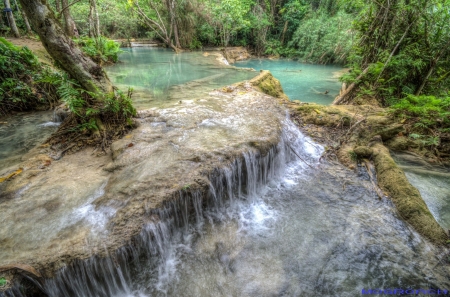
270,226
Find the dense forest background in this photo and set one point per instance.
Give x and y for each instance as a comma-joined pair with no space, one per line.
397,50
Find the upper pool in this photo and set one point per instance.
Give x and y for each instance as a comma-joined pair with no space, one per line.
160,76
301,81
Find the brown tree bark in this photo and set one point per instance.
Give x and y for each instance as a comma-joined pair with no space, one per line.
63,50
71,27
158,26
58,5
11,21
25,19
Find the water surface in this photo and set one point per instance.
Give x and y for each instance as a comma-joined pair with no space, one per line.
160,76
301,81
433,183
314,229
21,132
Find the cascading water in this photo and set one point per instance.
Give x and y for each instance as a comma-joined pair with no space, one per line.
268,226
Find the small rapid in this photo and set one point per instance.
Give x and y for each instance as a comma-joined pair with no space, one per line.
282,224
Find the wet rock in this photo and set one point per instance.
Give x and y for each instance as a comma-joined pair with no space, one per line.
61,113
233,54
117,147
174,150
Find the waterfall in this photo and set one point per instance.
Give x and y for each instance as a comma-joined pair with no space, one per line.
170,228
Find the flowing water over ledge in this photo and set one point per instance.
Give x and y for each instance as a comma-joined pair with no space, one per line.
209,198
270,226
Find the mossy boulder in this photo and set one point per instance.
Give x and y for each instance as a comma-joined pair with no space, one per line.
269,85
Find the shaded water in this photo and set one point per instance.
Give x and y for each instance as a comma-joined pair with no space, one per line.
301,81
271,226
160,76
21,132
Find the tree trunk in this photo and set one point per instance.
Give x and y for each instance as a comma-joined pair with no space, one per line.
96,19
63,50
12,22
343,97
91,22
58,5
432,67
25,19
173,20
71,27
284,32
175,32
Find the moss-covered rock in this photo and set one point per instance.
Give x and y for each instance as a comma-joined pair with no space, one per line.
269,85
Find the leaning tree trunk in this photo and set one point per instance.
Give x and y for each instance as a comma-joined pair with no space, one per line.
25,19
62,49
12,22
71,27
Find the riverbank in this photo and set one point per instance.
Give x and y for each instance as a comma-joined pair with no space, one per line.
364,134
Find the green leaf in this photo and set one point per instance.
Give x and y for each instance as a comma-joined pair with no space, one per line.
3,282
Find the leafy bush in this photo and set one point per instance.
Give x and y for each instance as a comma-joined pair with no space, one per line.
101,49
19,70
324,39
427,117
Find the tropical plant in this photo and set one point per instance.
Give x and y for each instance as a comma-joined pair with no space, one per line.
100,49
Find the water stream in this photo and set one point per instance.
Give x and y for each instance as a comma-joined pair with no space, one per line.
271,225
279,224
433,183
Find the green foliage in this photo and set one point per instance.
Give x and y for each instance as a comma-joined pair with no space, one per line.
101,49
120,104
116,20
88,106
427,111
427,117
19,69
405,51
324,39
3,282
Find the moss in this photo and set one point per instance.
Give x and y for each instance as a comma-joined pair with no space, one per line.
269,85
363,151
321,115
406,198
